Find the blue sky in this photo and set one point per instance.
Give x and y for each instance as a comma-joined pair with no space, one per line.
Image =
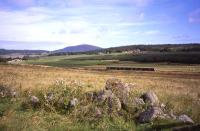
104,23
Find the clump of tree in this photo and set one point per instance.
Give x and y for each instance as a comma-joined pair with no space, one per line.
191,47
171,57
4,60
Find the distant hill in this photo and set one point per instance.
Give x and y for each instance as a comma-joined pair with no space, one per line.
78,48
24,52
190,47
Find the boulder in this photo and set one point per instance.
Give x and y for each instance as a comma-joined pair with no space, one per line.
114,103
133,105
109,98
138,101
103,95
150,114
150,98
186,119
120,89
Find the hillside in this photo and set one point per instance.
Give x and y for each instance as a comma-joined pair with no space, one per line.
190,47
78,48
25,52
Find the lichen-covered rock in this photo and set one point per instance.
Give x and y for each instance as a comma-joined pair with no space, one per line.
150,98
120,89
172,116
103,95
114,103
109,98
138,101
133,105
186,119
150,114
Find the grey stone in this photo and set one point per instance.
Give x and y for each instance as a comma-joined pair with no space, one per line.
186,119
150,114
138,101
103,95
114,103
106,96
171,114
34,101
133,105
151,98
120,89
49,97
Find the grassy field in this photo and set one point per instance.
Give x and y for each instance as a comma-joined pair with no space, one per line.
101,61
180,90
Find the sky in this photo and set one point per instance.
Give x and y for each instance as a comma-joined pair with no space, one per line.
54,24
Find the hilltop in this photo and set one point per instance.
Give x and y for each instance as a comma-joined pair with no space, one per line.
78,48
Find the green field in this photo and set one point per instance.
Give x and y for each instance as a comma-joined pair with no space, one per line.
117,59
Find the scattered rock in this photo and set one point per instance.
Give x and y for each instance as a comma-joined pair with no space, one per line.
106,96
138,101
35,101
49,97
114,103
133,105
150,114
120,89
103,95
151,98
73,102
171,114
186,119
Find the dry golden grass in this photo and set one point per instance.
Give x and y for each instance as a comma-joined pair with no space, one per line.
181,90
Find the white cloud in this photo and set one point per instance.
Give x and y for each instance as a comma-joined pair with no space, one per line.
151,32
194,17
85,24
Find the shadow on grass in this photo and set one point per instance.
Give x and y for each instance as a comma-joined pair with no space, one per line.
167,126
